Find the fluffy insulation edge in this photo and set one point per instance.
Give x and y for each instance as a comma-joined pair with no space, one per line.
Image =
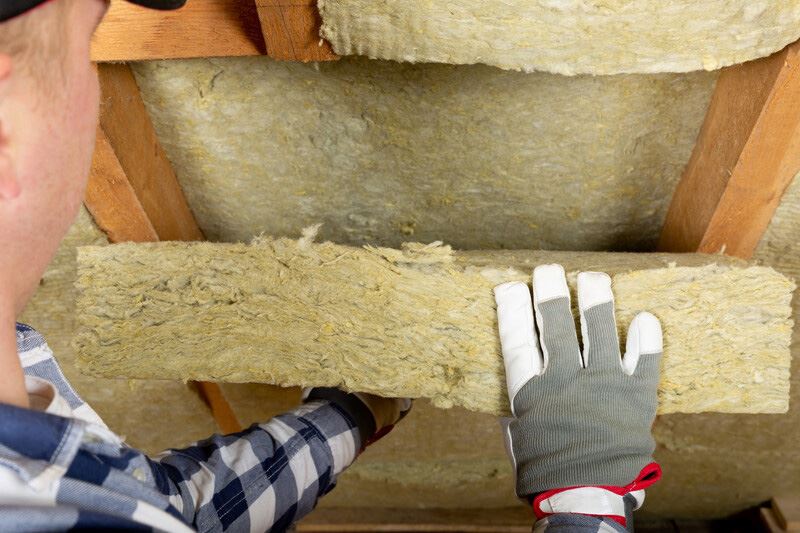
417,322
564,37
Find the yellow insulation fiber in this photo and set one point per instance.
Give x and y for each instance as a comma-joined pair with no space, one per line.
416,322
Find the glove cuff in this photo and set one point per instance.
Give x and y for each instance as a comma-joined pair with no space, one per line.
599,501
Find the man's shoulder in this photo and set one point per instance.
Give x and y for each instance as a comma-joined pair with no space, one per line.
38,361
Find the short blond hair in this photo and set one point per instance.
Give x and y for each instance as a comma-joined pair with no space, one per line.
35,40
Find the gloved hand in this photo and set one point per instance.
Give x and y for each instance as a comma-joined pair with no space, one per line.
375,416
580,437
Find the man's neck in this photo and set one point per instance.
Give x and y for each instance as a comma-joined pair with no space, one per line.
12,378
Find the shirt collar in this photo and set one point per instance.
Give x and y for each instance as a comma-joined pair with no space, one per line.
40,446
28,338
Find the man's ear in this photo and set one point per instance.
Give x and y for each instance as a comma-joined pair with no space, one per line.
9,184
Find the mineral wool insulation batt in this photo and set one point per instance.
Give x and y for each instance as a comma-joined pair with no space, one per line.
416,322
564,36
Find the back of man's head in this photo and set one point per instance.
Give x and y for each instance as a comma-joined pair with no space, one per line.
48,116
34,40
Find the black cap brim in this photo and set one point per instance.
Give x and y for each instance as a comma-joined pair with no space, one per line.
11,8
164,5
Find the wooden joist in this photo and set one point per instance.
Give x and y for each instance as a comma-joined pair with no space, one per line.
129,132
291,30
786,510
111,200
769,521
202,28
223,413
212,28
133,193
746,155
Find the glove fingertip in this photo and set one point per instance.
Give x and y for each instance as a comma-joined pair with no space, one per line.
645,339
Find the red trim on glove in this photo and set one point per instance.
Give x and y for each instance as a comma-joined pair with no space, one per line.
648,475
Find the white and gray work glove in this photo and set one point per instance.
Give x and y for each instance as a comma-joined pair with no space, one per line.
580,433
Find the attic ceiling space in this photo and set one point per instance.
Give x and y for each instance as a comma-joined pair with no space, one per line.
482,158
383,153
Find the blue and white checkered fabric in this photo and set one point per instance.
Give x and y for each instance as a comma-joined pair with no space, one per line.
63,469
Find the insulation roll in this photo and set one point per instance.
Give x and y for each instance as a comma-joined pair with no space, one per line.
564,36
416,322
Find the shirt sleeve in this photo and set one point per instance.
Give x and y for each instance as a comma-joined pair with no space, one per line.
263,478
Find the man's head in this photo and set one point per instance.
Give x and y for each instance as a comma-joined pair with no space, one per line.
48,114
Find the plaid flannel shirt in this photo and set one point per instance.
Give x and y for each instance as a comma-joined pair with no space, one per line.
61,468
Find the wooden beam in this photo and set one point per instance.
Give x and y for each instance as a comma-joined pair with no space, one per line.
223,413
786,509
202,28
133,193
770,521
282,29
291,30
112,201
130,133
746,155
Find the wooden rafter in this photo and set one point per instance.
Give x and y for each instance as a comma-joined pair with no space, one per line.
282,29
133,193
291,30
112,201
746,155
202,28
786,509
127,127
214,398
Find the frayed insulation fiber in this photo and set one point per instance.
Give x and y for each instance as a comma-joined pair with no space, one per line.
563,36
416,322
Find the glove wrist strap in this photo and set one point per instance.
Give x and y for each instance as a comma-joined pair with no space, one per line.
596,500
